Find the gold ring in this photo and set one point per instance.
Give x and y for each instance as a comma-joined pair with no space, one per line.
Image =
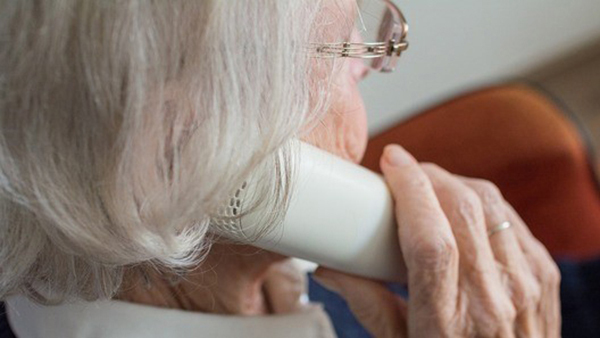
502,226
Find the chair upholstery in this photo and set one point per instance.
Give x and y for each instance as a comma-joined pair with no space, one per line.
518,138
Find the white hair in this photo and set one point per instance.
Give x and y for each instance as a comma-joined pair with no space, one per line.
125,124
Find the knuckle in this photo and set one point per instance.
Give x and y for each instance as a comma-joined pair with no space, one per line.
505,315
435,254
534,295
552,274
509,314
496,321
469,208
547,269
503,310
489,193
526,293
496,314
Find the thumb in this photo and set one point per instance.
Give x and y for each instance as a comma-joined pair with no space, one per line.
379,310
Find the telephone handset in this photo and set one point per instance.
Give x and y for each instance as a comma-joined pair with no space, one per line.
340,216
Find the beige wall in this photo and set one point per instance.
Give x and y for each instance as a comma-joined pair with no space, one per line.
460,44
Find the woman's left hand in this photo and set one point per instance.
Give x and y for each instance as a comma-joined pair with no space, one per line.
494,267
284,286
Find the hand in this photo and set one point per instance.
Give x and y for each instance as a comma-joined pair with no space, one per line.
283,287
462,282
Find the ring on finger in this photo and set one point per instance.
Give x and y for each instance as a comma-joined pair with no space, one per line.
500,227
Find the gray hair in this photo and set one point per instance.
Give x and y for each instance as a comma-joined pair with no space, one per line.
125,124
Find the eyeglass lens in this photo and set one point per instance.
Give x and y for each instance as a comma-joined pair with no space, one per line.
380,21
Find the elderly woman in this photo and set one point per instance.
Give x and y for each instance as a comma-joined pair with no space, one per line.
125,125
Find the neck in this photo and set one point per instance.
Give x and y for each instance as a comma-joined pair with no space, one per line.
231,280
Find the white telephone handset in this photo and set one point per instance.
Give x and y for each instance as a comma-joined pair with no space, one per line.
340,216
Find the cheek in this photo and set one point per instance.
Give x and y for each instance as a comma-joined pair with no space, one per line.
343,131
352,130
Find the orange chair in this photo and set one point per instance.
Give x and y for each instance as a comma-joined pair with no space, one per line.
523,141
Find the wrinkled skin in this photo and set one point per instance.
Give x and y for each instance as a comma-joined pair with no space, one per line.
462,283
233,279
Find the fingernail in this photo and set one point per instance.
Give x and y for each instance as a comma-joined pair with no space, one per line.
327,283
396,156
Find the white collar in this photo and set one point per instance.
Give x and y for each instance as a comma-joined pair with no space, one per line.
121,319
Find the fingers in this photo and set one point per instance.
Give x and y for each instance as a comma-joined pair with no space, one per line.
546,273
523,287
381,312
505,285
491,308
427,243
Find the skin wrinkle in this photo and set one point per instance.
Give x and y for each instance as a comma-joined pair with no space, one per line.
344,129
456,289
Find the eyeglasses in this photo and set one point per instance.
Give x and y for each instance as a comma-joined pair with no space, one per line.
383,18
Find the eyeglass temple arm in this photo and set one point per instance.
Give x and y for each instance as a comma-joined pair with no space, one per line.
361,50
